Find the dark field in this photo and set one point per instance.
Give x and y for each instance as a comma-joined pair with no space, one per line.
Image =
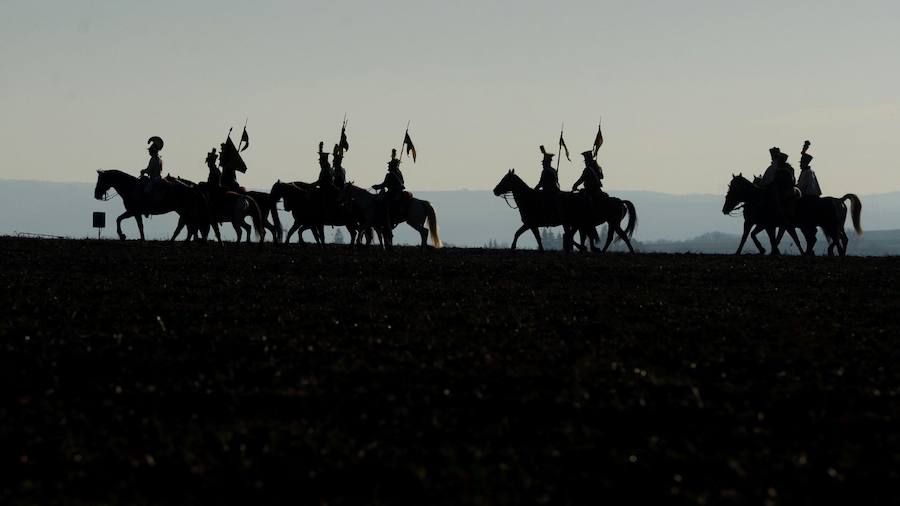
157,373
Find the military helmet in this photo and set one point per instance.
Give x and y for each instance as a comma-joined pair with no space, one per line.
156,143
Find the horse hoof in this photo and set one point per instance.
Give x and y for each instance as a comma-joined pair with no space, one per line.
121,237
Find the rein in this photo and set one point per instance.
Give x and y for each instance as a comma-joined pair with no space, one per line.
107,197
506,197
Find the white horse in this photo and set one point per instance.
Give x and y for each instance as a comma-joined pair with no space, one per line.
371,211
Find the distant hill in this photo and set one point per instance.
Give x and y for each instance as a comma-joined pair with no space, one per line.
666,222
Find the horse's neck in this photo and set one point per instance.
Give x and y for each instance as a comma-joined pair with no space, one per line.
122,182
521,188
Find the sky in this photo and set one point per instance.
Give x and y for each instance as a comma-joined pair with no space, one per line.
689,92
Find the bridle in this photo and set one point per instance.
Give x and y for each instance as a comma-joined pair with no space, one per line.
506,197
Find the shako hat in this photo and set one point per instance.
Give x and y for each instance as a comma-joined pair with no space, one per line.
212,156
547,156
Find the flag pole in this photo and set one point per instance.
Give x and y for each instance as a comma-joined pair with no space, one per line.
404,139
599,132
559,148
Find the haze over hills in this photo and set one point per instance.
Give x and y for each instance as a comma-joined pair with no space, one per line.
666,222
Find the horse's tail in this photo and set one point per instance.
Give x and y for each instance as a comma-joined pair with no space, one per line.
433,226
855,211
256,216
632,218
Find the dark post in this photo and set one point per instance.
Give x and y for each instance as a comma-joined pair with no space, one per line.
99,221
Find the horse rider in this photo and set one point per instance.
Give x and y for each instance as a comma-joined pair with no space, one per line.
394,185
214,180
228,180
340,175
808,183
548,184
591,176
779,180
155,165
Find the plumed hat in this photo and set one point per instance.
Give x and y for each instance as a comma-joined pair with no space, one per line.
156,143
323,155
395,162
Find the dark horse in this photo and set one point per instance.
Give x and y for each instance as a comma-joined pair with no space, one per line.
830,213
228,208
759,211
578,213
190,204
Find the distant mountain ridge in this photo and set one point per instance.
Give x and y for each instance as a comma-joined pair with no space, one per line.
466,217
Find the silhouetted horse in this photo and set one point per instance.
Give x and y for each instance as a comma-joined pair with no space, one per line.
372,212
759,213
189,203
612,210
830,213
577,213
226,206
306,208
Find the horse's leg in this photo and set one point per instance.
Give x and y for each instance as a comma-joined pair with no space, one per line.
537,237
423,232
140,223
178,229
810,236
793,233
291,231
519,232
236,223
770,231
246,227
126,214
747,228
215,227
622,235
609,237
759,247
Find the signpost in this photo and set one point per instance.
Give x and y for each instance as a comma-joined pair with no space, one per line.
99,221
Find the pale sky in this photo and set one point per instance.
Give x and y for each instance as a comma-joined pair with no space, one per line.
689,91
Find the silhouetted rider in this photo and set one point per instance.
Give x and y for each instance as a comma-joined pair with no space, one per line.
340,175
808,183
214,179
394,185
549,186
155,165
228,181
591,176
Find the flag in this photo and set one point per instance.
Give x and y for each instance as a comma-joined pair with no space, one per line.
410,148
598,141
562,144
231,157
344,145
245,139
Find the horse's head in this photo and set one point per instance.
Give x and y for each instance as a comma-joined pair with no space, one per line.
103,184
737,193
510,183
